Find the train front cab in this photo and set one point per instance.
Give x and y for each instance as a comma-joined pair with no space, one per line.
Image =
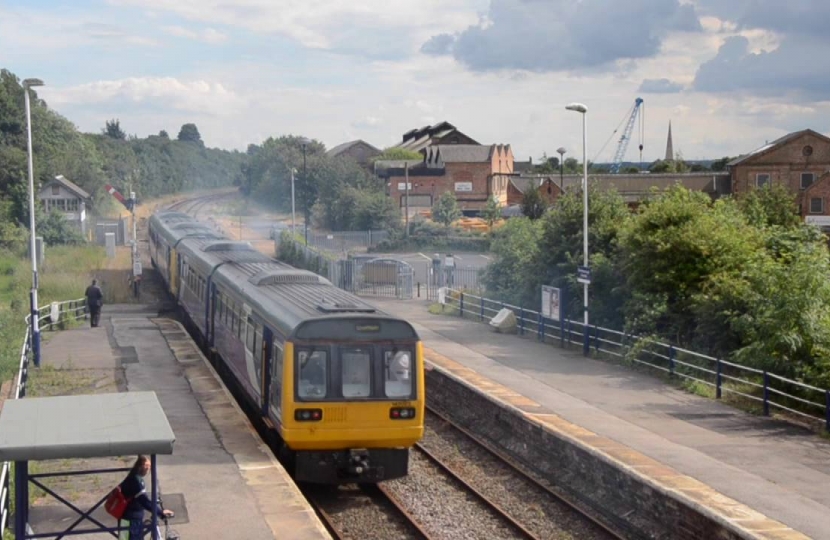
349,410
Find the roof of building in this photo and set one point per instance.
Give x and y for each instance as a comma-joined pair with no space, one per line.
523,166
340,148
383,164
419,138
777,142
71,186
95,425
523,183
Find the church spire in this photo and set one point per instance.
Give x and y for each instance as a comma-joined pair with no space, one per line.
669,146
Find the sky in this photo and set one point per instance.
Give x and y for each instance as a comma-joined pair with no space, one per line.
729,74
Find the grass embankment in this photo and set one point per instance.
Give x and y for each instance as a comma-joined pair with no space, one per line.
65,274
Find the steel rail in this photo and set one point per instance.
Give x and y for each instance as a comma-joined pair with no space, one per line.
495,508
521,472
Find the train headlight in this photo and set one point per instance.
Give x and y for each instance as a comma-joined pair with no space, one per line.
402,413
308,415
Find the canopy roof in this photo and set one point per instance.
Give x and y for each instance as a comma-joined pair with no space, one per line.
98,425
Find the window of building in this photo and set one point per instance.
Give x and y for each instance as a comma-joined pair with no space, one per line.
762,179
807,151
356,365
56,190
816,205
312,369
806,180
397,367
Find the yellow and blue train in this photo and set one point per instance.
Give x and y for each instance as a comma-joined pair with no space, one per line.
339,382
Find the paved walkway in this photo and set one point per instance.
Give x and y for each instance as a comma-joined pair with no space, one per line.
775,468
222,482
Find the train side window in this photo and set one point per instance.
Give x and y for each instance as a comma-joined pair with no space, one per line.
312,369
249,336
397,369
356,371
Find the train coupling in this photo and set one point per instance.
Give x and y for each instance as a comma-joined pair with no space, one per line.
358,461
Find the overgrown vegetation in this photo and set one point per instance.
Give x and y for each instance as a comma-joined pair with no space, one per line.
152,166
741,279
333,193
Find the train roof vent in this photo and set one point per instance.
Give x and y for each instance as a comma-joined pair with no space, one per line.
227,246
191,224
333,307
280,277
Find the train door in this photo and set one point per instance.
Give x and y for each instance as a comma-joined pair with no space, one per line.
265,370
173,270
275,371
252,358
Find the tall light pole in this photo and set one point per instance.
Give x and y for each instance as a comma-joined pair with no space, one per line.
585,279
561,151
305,142
293,218
29,83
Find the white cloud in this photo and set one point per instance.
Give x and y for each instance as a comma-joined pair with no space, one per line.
196,96
208,35
366,26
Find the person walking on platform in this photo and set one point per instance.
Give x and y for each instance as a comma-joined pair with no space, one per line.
132,521
94,301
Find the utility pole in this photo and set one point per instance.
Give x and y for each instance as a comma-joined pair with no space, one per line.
33,308
406,180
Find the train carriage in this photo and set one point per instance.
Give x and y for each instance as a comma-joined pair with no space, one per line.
339,382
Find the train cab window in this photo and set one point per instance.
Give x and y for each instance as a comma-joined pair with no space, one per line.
397,369
356,365
312,369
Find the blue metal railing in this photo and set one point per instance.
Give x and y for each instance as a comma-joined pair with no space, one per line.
49,317
767,390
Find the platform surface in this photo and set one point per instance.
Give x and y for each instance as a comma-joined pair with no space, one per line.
780,471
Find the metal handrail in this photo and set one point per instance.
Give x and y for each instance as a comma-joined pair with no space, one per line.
691,362
67,310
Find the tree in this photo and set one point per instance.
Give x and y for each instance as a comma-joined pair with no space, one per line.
113,130
720,164
398,154
515,248
164,135
491,212
190,133
446,211
770,206
533,205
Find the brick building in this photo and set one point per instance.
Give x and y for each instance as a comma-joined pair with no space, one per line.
547,186
359,150
800,162
473,173
439,134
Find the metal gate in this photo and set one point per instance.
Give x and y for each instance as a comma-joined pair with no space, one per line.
382,277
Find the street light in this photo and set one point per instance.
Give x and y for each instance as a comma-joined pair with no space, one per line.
293,219
29,83
304,142
580,108
561,151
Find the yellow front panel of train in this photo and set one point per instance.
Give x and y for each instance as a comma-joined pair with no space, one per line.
351,424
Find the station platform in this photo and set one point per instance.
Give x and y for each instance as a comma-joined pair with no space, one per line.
221,480
769,477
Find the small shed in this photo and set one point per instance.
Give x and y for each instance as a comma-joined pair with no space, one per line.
62,195
72,427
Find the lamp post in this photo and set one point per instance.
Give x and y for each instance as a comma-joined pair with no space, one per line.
305,142
293,219
561,151
582,109
29,83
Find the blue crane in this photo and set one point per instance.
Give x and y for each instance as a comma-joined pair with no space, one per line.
625,138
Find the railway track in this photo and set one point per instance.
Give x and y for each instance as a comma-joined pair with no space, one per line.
196,204
364,512
459,471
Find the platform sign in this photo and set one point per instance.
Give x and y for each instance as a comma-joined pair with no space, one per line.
551,302
583,274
